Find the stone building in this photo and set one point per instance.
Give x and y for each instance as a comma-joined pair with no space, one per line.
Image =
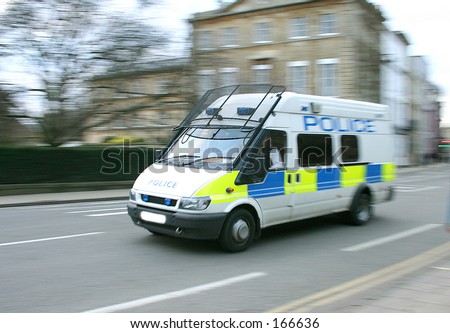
141,104
321,47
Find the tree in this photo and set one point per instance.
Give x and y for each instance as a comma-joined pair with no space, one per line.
61,45
6,121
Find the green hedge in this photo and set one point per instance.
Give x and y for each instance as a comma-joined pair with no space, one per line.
29,165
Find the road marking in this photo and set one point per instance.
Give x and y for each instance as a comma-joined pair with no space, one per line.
391,238
108,214
309,303
420,178
94,210
72,205
414,188
50,239
179,293
442,268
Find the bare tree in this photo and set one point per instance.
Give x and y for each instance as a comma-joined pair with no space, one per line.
62,44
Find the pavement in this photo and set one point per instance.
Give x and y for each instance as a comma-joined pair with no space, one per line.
62,197
425,289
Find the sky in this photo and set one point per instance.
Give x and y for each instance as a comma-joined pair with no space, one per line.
424,23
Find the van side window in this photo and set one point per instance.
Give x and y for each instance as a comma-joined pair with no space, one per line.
349,148
314,150
274,148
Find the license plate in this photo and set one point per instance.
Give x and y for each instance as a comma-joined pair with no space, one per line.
152,217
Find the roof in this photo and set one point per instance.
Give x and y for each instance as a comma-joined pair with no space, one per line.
147,68
244,6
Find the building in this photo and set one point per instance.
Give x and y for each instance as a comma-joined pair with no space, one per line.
142,104
425,113
396,91
319,47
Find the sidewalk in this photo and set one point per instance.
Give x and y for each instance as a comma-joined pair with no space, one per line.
426,290
62,197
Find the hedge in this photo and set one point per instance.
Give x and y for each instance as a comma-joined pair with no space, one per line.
31,165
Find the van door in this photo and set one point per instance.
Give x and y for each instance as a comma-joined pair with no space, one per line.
266,182
314,185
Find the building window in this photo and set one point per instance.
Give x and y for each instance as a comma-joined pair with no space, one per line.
205,40
328,77
229,37
262,32
328,24
205,81
299,27
298,74
228,76
262,73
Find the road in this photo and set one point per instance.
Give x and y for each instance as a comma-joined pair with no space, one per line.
84,257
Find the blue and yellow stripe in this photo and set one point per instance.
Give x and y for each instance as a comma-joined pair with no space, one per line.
298,181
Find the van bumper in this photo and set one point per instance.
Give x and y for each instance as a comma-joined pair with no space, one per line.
182,225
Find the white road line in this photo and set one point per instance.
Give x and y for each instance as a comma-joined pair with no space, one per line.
420,178
109,214
50,239
94,210
179,293
393,237
65,206
414,188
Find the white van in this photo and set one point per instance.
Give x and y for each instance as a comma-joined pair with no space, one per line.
253,156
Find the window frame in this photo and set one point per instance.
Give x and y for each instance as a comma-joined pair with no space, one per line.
229,37
262,32
228,76
205,40
299,27
328,85
327,26
302,88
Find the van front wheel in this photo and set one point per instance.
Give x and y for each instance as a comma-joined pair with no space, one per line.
238,231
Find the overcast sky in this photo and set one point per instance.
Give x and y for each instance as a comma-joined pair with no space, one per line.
426,24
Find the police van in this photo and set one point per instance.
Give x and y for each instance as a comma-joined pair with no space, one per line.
248,157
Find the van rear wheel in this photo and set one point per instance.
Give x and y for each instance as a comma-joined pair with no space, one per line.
361,210
238,231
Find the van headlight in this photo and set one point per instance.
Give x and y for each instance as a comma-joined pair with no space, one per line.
200,203
132,195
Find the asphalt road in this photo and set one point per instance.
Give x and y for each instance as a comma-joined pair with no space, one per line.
90,257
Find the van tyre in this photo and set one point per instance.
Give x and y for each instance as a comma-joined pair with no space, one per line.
238,231
360,211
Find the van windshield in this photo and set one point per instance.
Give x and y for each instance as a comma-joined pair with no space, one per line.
207,147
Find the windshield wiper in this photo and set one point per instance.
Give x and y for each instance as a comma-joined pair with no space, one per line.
203,159
168,159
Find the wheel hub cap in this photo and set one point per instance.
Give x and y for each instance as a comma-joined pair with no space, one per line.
240,231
